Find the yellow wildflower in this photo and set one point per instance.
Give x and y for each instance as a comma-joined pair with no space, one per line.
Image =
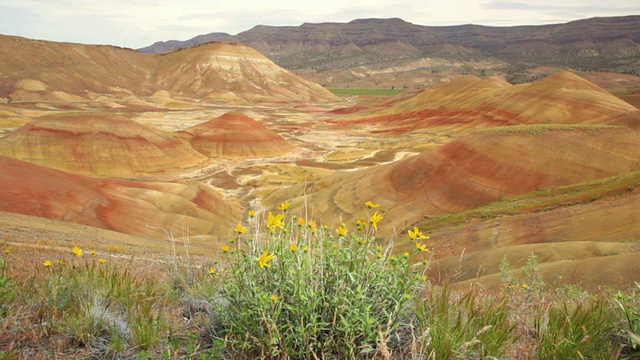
92,251
342,230
212,271
274,297
379,247
311,224
361,242
406,255
274,221
525,286
77,251
252,213
421,247
416,234
284,206
293,247
408,296
371,205
314,230
7,251
264,259
374,219
102,261
300,221
380,255
47,263
425,278
240,229
305,248
224,248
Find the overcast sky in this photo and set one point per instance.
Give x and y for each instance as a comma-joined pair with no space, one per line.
138,23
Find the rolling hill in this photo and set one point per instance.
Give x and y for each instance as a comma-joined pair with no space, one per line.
34,70
469,102
235,135
470,172
138,208
100,144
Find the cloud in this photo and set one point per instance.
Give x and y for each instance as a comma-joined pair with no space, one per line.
16,20
611,7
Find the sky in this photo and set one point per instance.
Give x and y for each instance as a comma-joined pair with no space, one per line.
139,23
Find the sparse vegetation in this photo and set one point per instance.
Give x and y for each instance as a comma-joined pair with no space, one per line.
544,128
285,288
541,200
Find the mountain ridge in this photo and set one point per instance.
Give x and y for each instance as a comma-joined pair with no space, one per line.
583,43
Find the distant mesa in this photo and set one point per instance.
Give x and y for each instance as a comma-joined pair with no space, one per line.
331,52
137,208
473,171
99,144
235,135
164,46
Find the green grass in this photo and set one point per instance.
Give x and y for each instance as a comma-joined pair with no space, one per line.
351,92
545,128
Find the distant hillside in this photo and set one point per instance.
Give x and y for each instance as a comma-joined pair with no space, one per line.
164,46
607,43
34,70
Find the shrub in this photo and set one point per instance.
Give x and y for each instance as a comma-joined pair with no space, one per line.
306,292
